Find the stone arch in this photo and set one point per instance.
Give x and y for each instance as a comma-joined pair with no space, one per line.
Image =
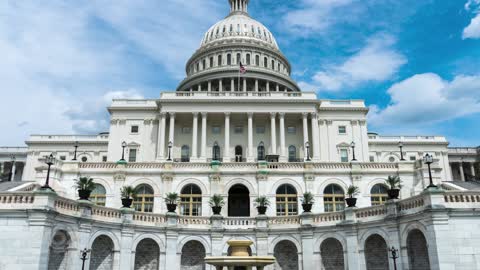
332,254
412,226
281,238
330,181
147,255
102,252
153,237
364,236
287,181
113,237
200,239
193,256
194,181
58,255
372,183
417,250
386,156
324,237
286,255
376,253
240,181
105,184
146,181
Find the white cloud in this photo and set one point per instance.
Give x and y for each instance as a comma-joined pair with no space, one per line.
376,62
473,29
426,99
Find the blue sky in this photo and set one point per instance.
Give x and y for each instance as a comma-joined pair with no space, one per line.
414,62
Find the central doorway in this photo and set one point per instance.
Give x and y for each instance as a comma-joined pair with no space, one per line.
238,201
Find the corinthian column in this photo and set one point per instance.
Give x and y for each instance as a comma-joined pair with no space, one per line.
251,156
283,156
273,133
194,136
315,137
226,153
203,153
305,132
161,136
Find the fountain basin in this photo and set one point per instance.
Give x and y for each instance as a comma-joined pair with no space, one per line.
240,257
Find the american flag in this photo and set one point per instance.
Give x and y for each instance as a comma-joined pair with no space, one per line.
243,69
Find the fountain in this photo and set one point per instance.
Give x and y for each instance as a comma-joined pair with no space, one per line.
239,258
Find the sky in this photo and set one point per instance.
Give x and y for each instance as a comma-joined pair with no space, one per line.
416,63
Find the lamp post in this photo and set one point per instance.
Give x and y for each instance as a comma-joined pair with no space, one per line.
307,146
170,145
83,256
400,145
11,175
124,144
394,257
353,151
49,160
75,153
428,159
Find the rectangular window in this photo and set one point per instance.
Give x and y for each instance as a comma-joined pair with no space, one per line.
344,155
63,158
260,130
342,130
186,130
104,158
134,129
413,158
216,130
372,159
132,155
291,130
238,129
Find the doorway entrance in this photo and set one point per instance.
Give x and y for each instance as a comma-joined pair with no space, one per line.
238,154
238,201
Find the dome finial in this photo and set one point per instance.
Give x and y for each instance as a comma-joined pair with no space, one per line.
239,6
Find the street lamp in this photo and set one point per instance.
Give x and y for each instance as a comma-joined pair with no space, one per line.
353,151
428,159
75,153
170,145
400,145
394,257
307,146
49,160
12,174
83,254
124,144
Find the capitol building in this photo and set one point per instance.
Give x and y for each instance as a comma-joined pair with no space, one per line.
239,127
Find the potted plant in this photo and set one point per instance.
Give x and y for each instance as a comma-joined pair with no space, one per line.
171,201
128,193
262,204
395,184
307,202
351,192
85,186
217,202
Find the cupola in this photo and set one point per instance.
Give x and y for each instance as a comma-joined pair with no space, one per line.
238,6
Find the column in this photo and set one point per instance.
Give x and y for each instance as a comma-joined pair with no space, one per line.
256,85
315,138
305,132
277,88
194,136
199,88
209,86
251,156
232,85
226,155
13,169
462,174
203,153
171,137
161,136
268,86
472,168
273,133
244,85
283,155
220,86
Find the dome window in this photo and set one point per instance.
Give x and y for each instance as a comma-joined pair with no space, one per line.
229,59
257,60
231,28
248,59
273,64
219,63
239,58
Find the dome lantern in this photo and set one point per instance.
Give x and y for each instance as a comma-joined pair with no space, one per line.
240,6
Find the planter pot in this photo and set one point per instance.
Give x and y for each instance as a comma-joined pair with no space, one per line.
171,207
393,193
261,210
307,207
351,202
127,202
216,210
84,194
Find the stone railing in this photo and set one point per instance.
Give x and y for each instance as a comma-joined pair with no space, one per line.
434,199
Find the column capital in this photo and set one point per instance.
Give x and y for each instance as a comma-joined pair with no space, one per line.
314,114
305,114
163,114
281,114
250,114
227,114
195,114
273,115
172,114
204,114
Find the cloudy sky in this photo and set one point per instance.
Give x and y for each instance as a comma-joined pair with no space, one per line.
416,63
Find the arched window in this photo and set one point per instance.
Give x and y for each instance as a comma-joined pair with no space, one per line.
292,153
143,202
248,59
333,198
257,60
331,252
216,151
265,62
379,194
59,257
219,60
98,195
211,62
278,66
191,201
417,250
204,64
147,254
273,64
286,255
376,253
287,204
229,59
261,151
238,153
193,256
239,58
185,153
101,256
